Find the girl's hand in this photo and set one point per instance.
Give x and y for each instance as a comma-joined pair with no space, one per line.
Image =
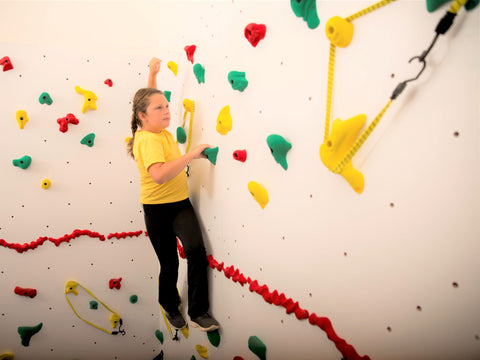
154,65
197,151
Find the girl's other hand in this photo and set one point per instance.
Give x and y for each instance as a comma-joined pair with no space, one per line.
154,65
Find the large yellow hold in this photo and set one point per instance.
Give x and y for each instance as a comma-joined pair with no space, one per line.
259,193
340,141
339,31
224,121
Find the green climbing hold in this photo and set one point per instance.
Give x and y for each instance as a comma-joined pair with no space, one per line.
257,347
26,333
181,135
279,148
199,72
214,337
471,4
45,99
433,5
134,299
306,9
193,358
93,305
237,80
168,95
159,335
23,163
211,154
88,140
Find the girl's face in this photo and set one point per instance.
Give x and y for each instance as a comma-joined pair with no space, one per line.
157,116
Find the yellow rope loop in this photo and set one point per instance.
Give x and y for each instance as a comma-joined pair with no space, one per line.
456,5
71,287
363,137
368,9
331,68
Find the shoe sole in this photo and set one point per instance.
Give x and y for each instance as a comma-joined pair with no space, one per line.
210,328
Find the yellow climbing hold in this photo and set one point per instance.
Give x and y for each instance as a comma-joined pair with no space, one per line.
71,287
89,99
173,67
224,121
341,139
114,320
185,332
7,356
202,351
339,31
22,118
189,105
259,193
45,184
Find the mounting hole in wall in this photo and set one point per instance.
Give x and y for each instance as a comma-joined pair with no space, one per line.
389,329
455,284
419,308
456,134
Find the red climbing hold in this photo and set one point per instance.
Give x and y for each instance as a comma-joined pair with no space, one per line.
63,122
6,63
108,82
240,155
115,283
31,293
190,49
254,33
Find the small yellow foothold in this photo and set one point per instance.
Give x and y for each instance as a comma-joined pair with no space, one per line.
185,332
46,183
22,118
202,351
342,137
127,139
89,99
173,67
339,31
189,105
114,320
7,356
224,121
259,193
71,287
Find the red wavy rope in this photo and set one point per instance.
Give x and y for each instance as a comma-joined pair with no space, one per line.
291,306
66,238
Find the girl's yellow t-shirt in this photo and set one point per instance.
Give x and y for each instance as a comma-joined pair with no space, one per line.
150,148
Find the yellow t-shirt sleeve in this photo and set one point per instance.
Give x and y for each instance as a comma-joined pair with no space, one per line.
151,151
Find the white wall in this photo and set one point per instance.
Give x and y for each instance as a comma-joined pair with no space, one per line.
364,261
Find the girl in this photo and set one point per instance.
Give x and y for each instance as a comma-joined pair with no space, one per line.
168,212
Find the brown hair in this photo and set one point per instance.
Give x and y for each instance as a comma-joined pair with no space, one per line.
141,100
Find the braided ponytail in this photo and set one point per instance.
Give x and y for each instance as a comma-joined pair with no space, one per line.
141,100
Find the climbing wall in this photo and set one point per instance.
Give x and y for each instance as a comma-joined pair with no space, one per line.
302,265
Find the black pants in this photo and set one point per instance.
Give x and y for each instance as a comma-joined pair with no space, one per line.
164,223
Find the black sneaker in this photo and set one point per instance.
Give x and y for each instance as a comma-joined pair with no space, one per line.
205,323
176,320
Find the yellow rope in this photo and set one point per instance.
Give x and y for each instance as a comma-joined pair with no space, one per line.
363,137
71,288
189,106
368,9
331,68
456,5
